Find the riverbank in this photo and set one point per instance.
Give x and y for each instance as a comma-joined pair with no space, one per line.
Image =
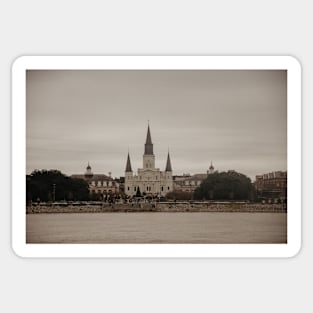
156,207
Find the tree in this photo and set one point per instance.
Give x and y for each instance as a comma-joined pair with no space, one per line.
225,186
53,185
179,195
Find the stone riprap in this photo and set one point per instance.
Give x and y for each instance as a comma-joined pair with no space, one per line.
98,207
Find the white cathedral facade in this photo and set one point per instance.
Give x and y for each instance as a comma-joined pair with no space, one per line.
148,179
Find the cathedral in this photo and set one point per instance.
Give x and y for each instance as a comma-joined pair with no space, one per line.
149,180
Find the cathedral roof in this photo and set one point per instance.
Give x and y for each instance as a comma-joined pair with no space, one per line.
128,165
168,167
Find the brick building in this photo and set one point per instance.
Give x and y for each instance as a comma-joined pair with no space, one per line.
271,187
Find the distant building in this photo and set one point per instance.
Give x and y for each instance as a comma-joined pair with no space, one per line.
148,180
211,169
99,184
271,186
188,183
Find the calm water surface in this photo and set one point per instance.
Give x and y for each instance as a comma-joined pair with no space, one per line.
157,228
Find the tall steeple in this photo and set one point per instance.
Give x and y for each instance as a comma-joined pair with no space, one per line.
148,144
128,165
168,167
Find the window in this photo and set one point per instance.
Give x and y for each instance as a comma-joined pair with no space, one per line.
168,188
147,188
162,188
127,188
134,188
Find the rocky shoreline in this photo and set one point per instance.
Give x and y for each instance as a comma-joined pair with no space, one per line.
156,207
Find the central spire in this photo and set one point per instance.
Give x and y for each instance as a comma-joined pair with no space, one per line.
148,144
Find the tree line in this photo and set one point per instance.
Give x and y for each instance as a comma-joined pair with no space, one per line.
52,185
229,185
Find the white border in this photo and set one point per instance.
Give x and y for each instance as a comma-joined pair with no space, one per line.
155,62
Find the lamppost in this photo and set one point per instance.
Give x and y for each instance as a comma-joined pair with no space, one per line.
53,193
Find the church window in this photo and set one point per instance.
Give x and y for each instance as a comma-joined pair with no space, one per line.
127,188
168,188
134,188
162,188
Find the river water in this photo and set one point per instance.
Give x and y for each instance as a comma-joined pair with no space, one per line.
186,227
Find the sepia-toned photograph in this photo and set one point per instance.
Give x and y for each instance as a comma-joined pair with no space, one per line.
156,156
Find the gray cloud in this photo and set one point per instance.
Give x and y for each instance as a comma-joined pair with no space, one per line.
237,119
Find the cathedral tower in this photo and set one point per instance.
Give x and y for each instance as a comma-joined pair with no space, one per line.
148,179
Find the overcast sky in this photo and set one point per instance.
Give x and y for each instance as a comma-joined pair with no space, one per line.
237,119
